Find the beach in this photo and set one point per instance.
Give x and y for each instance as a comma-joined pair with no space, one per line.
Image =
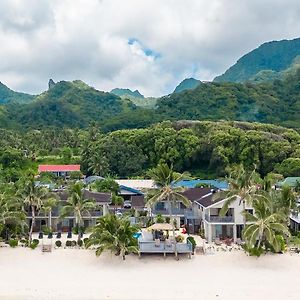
79,274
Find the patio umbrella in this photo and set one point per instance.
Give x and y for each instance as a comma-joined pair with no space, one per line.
160,226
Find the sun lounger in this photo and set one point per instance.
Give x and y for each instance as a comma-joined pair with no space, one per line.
218,242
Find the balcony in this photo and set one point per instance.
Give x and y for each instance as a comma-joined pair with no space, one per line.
218,219
164,212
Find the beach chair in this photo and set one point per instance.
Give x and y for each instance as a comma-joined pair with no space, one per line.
218,241
157,242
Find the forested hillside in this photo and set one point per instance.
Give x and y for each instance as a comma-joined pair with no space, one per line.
7,95
267,62
277,102
206,149
68,104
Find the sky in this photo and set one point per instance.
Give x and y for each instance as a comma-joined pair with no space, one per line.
149,45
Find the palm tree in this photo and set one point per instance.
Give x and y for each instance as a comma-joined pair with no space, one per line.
10,210
48,206
114,234
165,178
78,206
286,200
267,225
34,197
242,186
98,164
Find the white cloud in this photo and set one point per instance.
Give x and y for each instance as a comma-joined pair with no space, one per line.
171,40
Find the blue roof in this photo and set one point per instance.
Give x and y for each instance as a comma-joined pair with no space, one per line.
222,185
130,189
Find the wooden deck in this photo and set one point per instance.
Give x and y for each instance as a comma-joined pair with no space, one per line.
163,248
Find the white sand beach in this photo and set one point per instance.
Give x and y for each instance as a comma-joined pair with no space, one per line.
79,274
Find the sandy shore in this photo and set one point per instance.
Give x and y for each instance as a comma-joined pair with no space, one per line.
79,274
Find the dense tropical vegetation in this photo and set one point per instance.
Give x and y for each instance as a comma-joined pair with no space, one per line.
205,149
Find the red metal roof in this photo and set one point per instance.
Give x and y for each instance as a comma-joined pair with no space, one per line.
58,168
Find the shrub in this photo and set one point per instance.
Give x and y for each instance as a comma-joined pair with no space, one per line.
85,240
159,219
24,242
80,243
179,238
68,243
36,241
202,233
13,243
58,244
33,245
73,243
168,220
192,241
46,229
253,251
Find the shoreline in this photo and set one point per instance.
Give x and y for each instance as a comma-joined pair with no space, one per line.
79,274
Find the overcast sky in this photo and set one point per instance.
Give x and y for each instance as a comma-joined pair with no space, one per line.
149,45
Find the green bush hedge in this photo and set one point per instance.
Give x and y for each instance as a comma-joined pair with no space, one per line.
68,243
13,243
58,244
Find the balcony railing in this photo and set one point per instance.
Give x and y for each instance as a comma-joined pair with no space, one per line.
175,211
218,219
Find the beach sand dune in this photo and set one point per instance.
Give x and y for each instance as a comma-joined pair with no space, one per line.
79,274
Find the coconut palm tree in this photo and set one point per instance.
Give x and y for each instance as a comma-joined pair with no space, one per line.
266,226
11,211
165,178
114,234
285,200
48,206
242,186
78,206
34,197
98,164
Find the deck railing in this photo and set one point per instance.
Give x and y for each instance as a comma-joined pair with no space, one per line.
218,219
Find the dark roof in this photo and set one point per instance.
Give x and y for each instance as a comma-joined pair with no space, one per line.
98,197
210,199
203,196
196,193
138,201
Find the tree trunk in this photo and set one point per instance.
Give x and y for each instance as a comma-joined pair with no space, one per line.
50,220
32,223
79,233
